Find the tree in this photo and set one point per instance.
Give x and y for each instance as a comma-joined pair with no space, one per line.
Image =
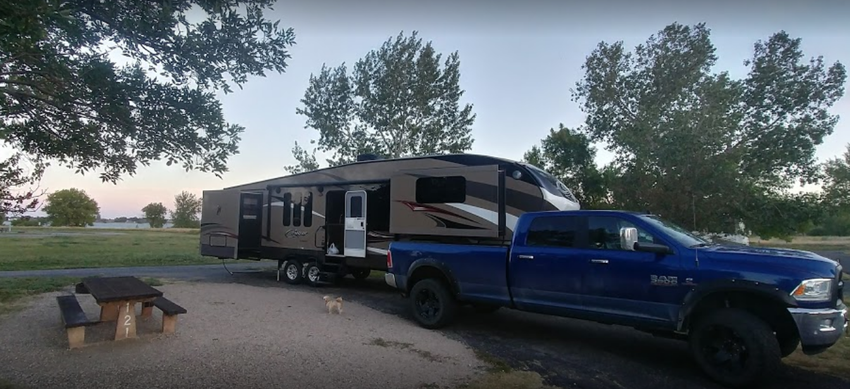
63,98
186,209
837,185
568,155
155,214
397,101
698,146
71,207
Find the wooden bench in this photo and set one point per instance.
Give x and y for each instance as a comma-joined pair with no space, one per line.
75,320
169,309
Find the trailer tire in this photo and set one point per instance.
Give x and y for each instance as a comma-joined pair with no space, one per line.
732,331
292,272
360,273
432,304
311,274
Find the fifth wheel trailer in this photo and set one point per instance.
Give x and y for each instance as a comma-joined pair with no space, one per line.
324,224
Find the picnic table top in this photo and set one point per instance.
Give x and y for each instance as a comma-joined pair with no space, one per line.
108,289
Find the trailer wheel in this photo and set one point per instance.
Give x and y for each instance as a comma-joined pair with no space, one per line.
292,272
360,274
432,304
312,274
734,347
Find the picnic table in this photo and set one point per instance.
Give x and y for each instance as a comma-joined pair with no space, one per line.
117,298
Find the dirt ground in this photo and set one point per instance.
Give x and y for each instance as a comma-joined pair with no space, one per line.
234,336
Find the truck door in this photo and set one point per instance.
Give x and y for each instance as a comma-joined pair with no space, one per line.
628,284
250,221
355,224
546,268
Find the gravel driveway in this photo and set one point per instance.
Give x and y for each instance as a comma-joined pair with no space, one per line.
235,336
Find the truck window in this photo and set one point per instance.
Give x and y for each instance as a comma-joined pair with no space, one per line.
552,231
450,189
604,232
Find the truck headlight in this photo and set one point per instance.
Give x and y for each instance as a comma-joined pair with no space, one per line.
817,289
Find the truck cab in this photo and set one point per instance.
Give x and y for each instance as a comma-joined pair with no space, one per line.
639,270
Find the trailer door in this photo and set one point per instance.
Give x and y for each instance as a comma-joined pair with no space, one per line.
355,224
463,201
250,221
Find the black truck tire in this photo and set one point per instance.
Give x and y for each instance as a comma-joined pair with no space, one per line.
312,273
432,304
747,343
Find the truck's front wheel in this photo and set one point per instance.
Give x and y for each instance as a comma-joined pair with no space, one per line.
432,304
734,347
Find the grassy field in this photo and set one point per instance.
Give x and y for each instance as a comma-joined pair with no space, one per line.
67,248
811,243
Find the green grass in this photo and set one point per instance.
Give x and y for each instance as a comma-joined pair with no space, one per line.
809,243
34,249
12,290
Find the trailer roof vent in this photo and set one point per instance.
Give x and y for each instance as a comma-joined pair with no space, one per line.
368,157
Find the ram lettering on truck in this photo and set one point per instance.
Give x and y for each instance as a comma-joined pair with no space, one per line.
638,270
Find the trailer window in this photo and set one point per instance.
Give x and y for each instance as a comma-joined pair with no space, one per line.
441,190
554,231
287,208
296,209
355,206
308,209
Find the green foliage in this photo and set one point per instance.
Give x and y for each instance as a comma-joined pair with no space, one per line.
568,155
63,98
27,221
837,185
155,214
398,101
71,207
704,149
187,208
17,184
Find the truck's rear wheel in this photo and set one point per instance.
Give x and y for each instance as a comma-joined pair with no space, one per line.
432,304
311,274
734,347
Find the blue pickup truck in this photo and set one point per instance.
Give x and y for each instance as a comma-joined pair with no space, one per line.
741,308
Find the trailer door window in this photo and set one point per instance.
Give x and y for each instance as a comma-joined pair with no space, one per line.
356,208
441,190
287,208
552,231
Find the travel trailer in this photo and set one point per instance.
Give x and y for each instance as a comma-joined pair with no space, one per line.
324,224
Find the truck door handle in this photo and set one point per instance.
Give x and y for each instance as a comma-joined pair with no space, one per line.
599,260
523,256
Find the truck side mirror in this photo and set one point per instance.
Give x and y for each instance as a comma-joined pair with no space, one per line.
628,238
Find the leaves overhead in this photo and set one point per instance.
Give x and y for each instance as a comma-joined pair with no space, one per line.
397,101
66,95
698,146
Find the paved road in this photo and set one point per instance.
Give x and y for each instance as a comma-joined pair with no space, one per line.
567,353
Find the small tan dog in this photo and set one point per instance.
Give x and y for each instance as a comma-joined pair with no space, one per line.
333,303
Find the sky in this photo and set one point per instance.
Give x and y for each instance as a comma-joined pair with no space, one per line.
518,63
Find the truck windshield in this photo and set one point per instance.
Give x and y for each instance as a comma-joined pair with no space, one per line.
679,234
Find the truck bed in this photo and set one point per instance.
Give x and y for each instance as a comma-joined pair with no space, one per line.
480,270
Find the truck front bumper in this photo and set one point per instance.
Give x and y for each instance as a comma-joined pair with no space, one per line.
820,328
